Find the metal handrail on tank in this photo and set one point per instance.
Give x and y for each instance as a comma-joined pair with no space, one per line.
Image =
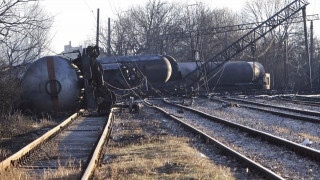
249,39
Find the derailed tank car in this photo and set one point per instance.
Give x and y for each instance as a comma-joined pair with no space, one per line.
55,84
51,84
125,72
234,74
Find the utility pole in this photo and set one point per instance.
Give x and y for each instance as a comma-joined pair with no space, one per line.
97,37
311,48
307,44
109,38
285,64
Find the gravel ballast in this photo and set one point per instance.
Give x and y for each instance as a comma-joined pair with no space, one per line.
282,161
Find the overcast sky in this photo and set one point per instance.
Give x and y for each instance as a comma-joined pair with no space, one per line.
75,20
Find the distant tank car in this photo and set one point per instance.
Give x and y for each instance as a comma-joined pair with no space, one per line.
232,74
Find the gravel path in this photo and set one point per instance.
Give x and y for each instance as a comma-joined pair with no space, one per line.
282,161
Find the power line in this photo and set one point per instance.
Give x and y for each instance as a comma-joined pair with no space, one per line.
85,2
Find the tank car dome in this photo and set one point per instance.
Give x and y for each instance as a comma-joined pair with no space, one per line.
51,84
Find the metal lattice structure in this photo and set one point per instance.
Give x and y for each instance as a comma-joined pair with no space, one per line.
248,40
224,29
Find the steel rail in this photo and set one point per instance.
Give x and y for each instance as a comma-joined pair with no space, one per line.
303,102
98,149
282,114
298,148
11,161
313,99
306,112
87,172
258,167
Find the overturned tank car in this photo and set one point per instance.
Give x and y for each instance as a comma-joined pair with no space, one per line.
231,75
125,72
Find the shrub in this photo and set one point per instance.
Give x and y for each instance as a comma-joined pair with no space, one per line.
10,93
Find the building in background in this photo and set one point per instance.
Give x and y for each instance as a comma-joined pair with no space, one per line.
71,52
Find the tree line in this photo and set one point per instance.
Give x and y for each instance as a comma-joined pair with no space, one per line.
180,30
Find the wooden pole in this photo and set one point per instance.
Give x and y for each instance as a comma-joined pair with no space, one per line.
307,45
109,38
97,37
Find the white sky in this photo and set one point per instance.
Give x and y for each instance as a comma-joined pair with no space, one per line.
75,20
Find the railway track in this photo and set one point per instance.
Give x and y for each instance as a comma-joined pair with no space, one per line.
305,112
76,143
256,138
303,115
301,101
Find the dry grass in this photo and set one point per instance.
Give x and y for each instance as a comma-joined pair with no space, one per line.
304,135
143,149
167,158
281,129
63,173
15,174
4,153
17,124
70,170
310,137
13,124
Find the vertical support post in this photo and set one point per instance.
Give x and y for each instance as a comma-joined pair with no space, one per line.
109,38
285,64
307,44
311,49
253,51
97,36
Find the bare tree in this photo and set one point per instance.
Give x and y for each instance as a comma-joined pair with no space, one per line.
169,28
24,31
281,51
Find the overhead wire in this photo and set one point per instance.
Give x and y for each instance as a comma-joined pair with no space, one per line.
130,89
152,87
221,69
85,2
224,66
